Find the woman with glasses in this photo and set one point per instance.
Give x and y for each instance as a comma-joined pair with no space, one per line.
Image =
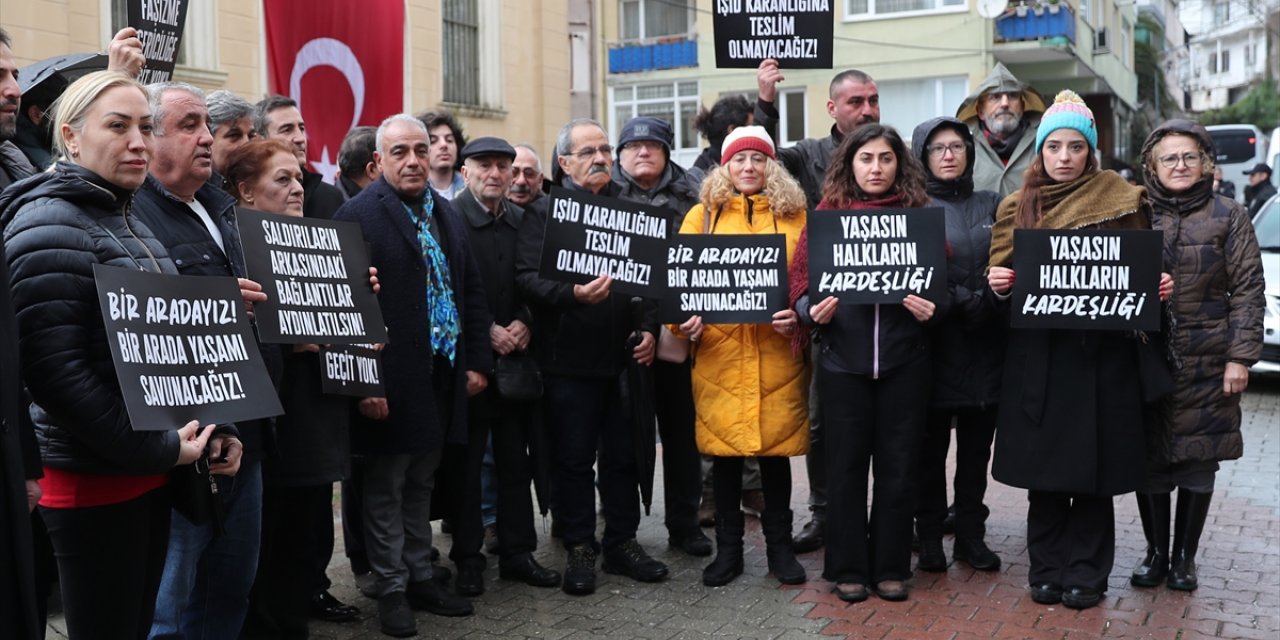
1214,337
874,367
968,354
1070,423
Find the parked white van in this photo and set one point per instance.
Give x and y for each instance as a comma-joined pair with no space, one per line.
1239,147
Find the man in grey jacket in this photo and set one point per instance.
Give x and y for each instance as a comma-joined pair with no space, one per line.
1003,114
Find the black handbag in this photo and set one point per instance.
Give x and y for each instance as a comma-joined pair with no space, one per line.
196,495
517,377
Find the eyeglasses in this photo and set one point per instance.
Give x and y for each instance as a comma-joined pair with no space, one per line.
587,153
1192,160
528,173
938,150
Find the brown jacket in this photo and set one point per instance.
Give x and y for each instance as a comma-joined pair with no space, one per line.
1216,307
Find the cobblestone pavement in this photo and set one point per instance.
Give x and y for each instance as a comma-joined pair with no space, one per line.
1239,596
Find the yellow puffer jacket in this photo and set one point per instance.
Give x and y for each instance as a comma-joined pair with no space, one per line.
751,393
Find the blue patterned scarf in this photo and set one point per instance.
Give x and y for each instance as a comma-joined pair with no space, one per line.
445,326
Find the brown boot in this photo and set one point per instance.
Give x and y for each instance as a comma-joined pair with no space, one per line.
707,510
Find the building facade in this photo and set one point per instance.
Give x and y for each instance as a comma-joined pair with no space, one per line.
1230,48
501,66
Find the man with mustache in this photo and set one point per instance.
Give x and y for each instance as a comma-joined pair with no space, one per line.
526,183
195,220
581,345
853,100
434,306
1003,114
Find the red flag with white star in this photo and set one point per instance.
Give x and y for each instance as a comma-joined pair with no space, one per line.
342,61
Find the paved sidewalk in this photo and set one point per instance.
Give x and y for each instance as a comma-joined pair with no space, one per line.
1239,596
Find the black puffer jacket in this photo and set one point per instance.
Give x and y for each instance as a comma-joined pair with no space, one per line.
969,345
55,229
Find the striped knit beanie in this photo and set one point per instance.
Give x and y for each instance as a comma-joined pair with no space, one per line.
1068,112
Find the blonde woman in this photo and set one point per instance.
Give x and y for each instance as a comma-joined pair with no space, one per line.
749,388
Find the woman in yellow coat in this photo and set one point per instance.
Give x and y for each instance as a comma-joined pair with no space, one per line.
749,388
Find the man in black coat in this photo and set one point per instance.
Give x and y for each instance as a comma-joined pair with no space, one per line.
493,222
644,173
581,346
438,349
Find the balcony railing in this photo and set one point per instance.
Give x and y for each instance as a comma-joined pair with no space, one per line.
1046,25
668,53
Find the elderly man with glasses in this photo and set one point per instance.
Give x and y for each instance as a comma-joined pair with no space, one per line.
581,345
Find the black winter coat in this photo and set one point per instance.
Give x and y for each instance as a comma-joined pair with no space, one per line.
807,161
58,225
413,424
572,338
677,191
493,241
968,346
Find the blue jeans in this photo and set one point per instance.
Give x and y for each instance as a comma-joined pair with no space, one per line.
204,593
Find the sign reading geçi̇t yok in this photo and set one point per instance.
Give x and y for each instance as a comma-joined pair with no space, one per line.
726,279
1086,279
796,33
588,236
877,256
316,277
183,349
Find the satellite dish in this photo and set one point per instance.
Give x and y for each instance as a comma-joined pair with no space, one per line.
992,8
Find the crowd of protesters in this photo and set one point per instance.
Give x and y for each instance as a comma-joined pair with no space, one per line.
150,178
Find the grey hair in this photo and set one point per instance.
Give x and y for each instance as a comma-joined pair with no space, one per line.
4,38
537,160
226,107
155,96
399,117
563,139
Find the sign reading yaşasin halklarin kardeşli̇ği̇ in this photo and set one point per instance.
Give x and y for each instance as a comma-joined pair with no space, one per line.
877,256
183,349
1086,279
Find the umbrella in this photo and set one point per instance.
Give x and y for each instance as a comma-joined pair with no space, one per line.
638,394
59,70
540,459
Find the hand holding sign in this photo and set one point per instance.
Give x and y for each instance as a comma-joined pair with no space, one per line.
768,75
192,441
693,328
919,307
593,292
1000,279
785,322
824,312
124,54
1166,286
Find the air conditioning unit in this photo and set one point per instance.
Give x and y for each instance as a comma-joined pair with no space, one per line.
1101,43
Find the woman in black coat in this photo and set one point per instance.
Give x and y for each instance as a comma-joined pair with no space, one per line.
105,496
968,354
1070,425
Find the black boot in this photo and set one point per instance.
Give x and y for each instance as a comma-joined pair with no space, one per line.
1188,523
777,537
728,562
1153,509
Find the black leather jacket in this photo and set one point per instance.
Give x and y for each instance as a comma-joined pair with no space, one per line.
57,225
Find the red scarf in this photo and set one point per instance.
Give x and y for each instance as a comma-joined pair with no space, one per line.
798,278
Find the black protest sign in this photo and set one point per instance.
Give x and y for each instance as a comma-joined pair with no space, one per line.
796,33
316,277
588,236
877,256
351,370
159,24
1086,279
181,355
726,279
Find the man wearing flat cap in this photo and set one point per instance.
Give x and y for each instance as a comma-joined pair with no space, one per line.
1003,114
493,223
1260,188
644,173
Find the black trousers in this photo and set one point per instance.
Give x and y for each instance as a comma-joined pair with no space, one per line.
110,560
775,482
322,524
589,427
681,464
872,426
975,430
353,518
511,425
281,595
1071,539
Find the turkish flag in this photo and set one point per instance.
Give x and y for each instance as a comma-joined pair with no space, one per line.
342,61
